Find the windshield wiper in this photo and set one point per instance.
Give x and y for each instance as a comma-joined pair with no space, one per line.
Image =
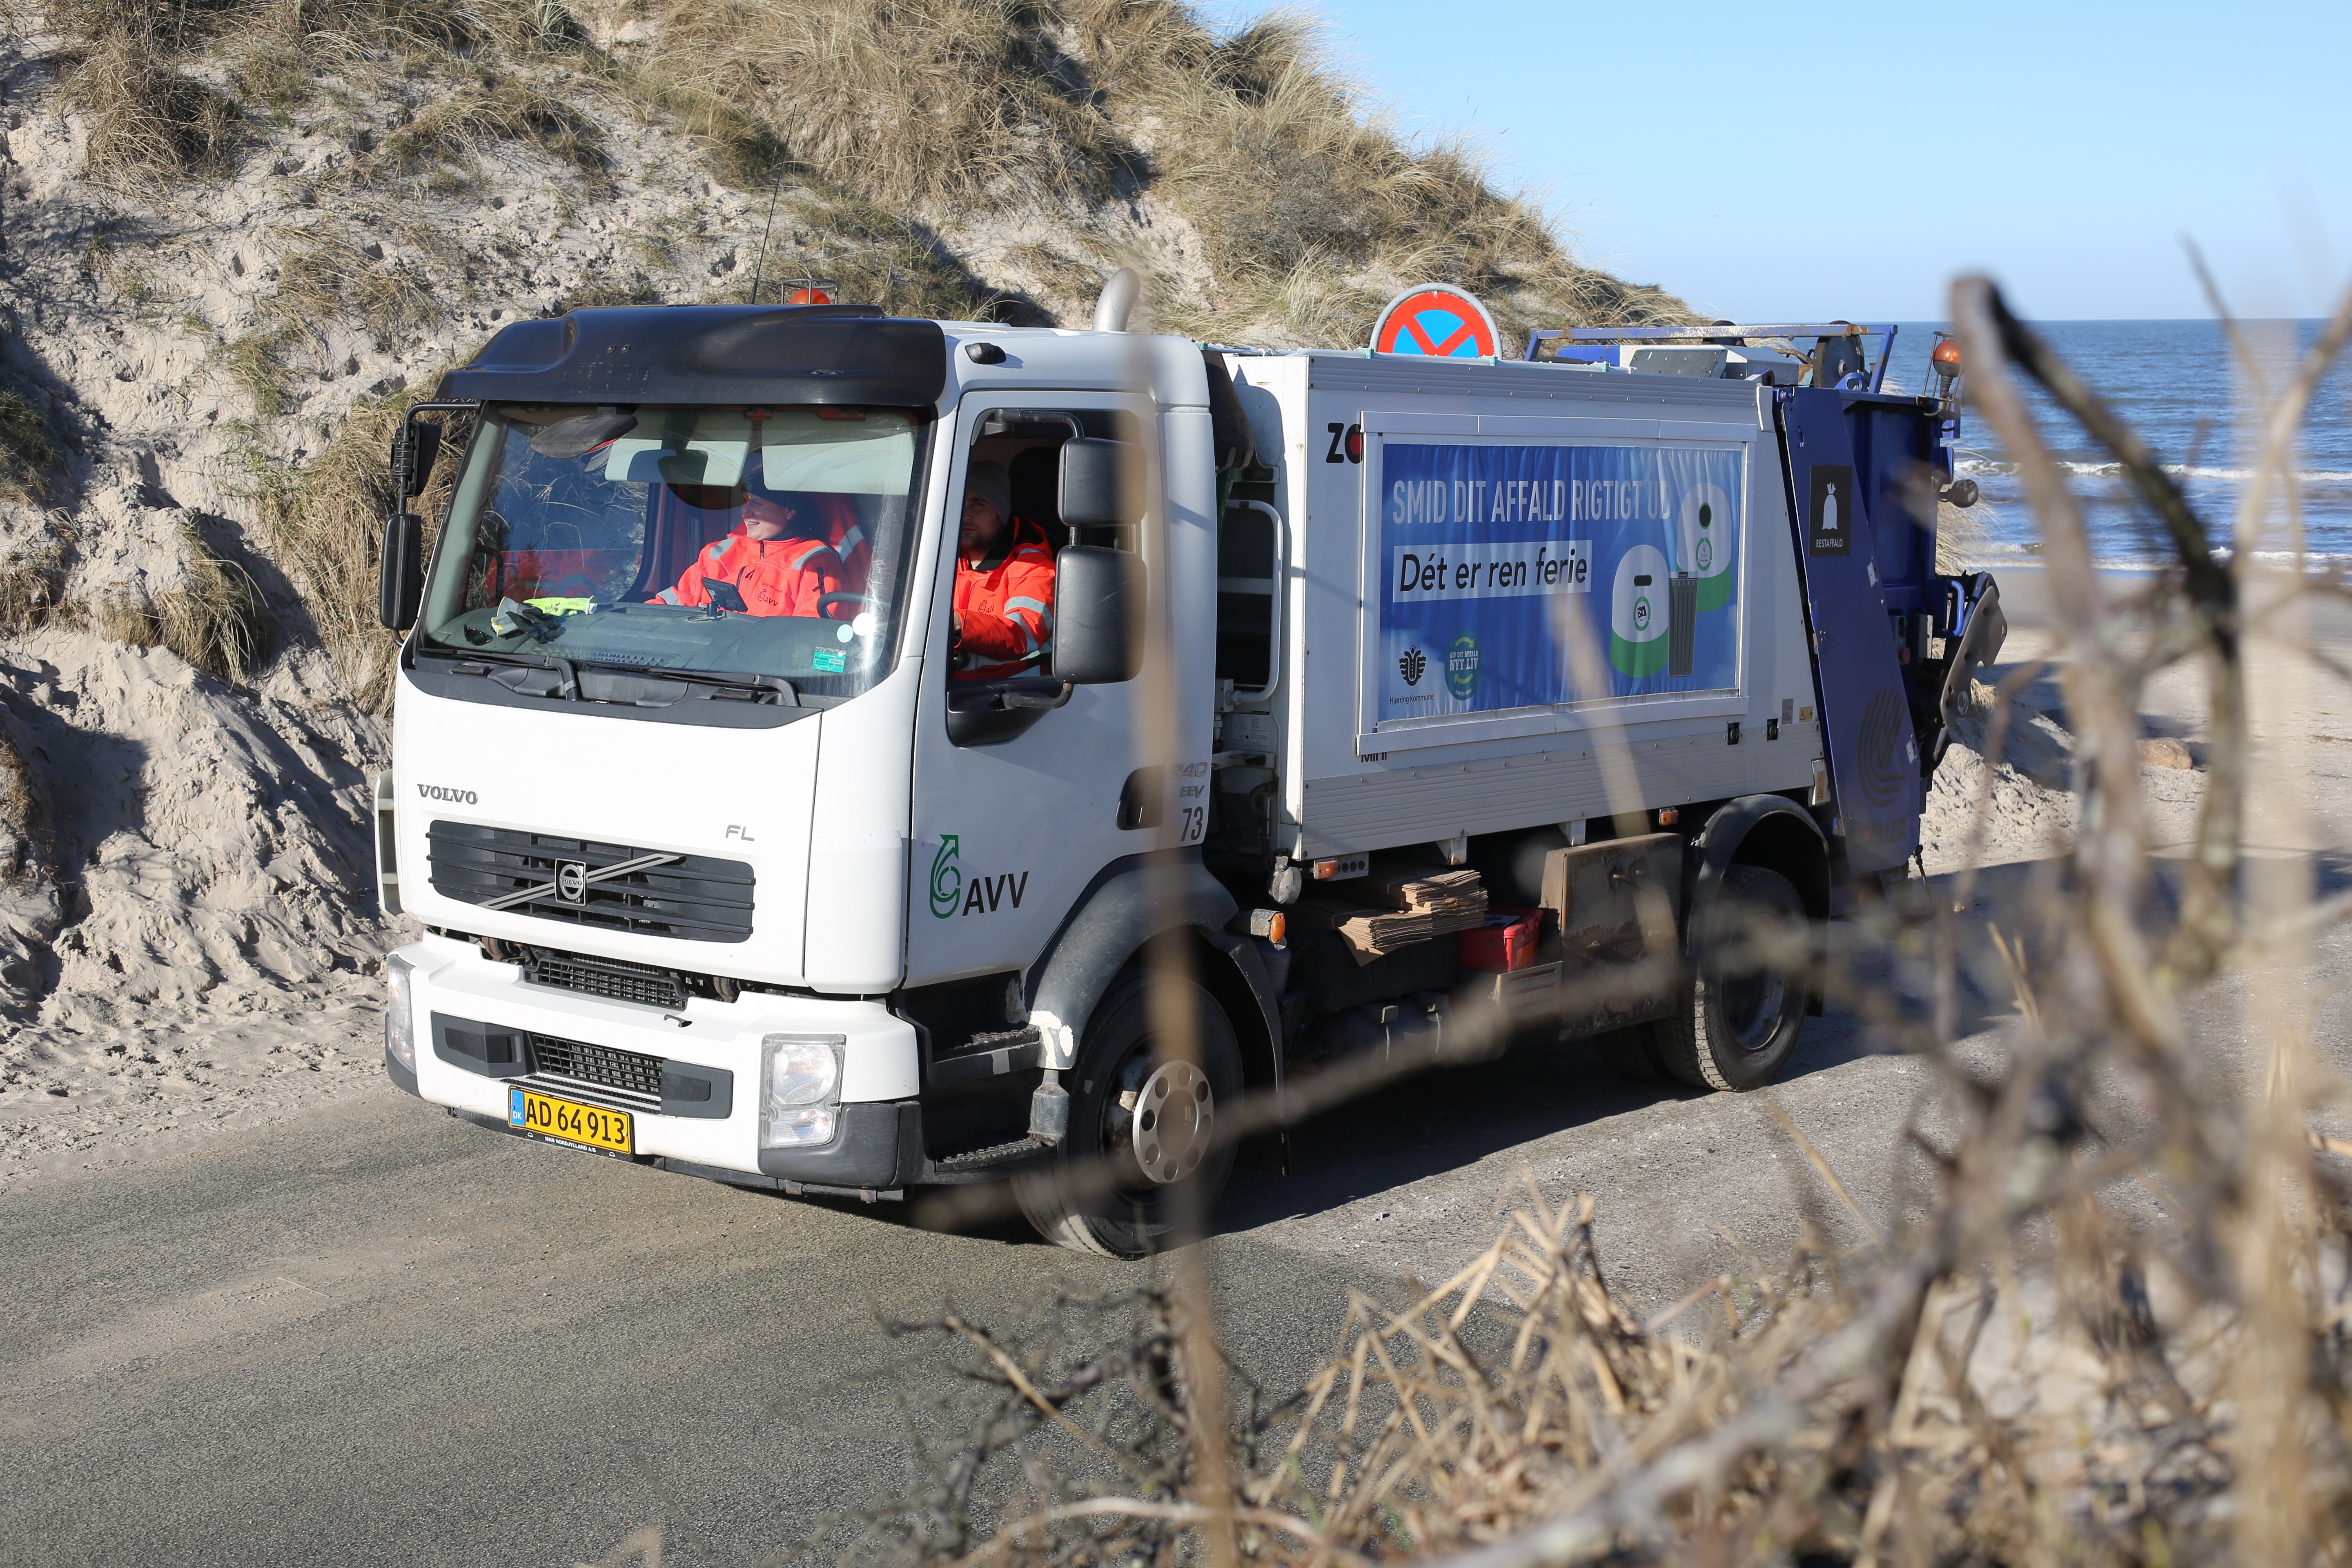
568,686
722,685
725,684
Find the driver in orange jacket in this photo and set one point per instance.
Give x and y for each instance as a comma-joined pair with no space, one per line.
1003,585
776,573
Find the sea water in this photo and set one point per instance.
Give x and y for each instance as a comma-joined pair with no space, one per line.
2179,386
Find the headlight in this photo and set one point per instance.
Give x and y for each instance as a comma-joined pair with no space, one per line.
399,1018
799,1075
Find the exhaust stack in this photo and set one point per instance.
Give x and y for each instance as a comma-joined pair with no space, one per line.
1117,299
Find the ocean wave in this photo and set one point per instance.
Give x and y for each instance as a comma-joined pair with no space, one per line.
1974,468
2027,554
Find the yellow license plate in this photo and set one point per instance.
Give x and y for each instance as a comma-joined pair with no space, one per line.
589,1126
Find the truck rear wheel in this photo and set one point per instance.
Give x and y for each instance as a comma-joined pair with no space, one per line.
1737,1025
1144,1143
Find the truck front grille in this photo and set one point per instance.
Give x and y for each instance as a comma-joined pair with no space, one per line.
623,1070
603,977
697,897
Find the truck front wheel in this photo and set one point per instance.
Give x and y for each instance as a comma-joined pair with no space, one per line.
1736,1026
1144,1146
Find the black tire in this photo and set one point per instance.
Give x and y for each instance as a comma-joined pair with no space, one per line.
1737,1025
1099,1195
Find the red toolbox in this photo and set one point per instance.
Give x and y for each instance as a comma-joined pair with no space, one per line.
1506,942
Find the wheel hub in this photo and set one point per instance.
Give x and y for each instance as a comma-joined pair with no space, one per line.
1169,1122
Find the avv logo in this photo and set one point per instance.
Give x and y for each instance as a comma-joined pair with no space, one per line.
947,876
1411,666
953,894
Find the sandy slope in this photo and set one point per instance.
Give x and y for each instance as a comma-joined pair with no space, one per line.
83,1098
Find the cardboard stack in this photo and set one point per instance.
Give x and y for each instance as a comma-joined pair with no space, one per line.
1394,908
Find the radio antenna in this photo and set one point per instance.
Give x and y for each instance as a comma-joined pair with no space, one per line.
762,263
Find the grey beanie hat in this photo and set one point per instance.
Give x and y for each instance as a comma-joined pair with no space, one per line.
992,484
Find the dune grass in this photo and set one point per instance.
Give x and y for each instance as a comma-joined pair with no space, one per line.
151,123
905,102
1307,208
325,526
451,133
333,271
215,619
27,456
256,364
33,579
1312,210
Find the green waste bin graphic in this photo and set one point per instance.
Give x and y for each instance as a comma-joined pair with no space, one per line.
1639,612
1705,541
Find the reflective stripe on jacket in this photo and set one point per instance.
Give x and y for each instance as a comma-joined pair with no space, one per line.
1006,604
775,577
842,530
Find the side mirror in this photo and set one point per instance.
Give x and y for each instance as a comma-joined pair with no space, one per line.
413,447
1098,614
1102,483
400,582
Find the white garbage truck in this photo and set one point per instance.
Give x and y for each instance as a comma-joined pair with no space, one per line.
792,894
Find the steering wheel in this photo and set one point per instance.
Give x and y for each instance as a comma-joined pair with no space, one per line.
827,601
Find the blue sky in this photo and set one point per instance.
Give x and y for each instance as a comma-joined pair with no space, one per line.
1772,161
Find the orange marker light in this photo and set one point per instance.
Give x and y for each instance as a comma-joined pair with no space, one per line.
1948,354
808,296
1669,816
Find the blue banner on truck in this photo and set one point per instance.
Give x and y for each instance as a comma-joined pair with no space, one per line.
1517,577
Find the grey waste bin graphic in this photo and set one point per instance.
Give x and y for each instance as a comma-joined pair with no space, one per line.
1681,623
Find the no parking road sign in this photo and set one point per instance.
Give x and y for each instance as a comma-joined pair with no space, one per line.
1435,318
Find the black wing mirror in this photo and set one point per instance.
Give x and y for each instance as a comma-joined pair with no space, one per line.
413,447
400,580
1102,483
1098,612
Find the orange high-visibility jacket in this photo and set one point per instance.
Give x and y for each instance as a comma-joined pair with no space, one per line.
775,577
1006,603
840,529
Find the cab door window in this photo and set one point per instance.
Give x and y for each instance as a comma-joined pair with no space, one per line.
1008,533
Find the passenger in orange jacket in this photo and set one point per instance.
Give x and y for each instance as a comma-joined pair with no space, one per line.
776,573
1003,585
837,524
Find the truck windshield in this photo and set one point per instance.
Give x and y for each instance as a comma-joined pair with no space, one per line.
754,541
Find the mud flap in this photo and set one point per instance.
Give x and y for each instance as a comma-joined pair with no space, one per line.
1618,906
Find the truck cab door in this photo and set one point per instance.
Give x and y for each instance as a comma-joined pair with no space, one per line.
1025,795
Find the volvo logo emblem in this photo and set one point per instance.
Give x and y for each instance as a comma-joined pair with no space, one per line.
572,881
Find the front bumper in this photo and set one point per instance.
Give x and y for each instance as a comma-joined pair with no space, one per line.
460,999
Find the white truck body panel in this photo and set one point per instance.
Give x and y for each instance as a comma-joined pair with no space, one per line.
1350,782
